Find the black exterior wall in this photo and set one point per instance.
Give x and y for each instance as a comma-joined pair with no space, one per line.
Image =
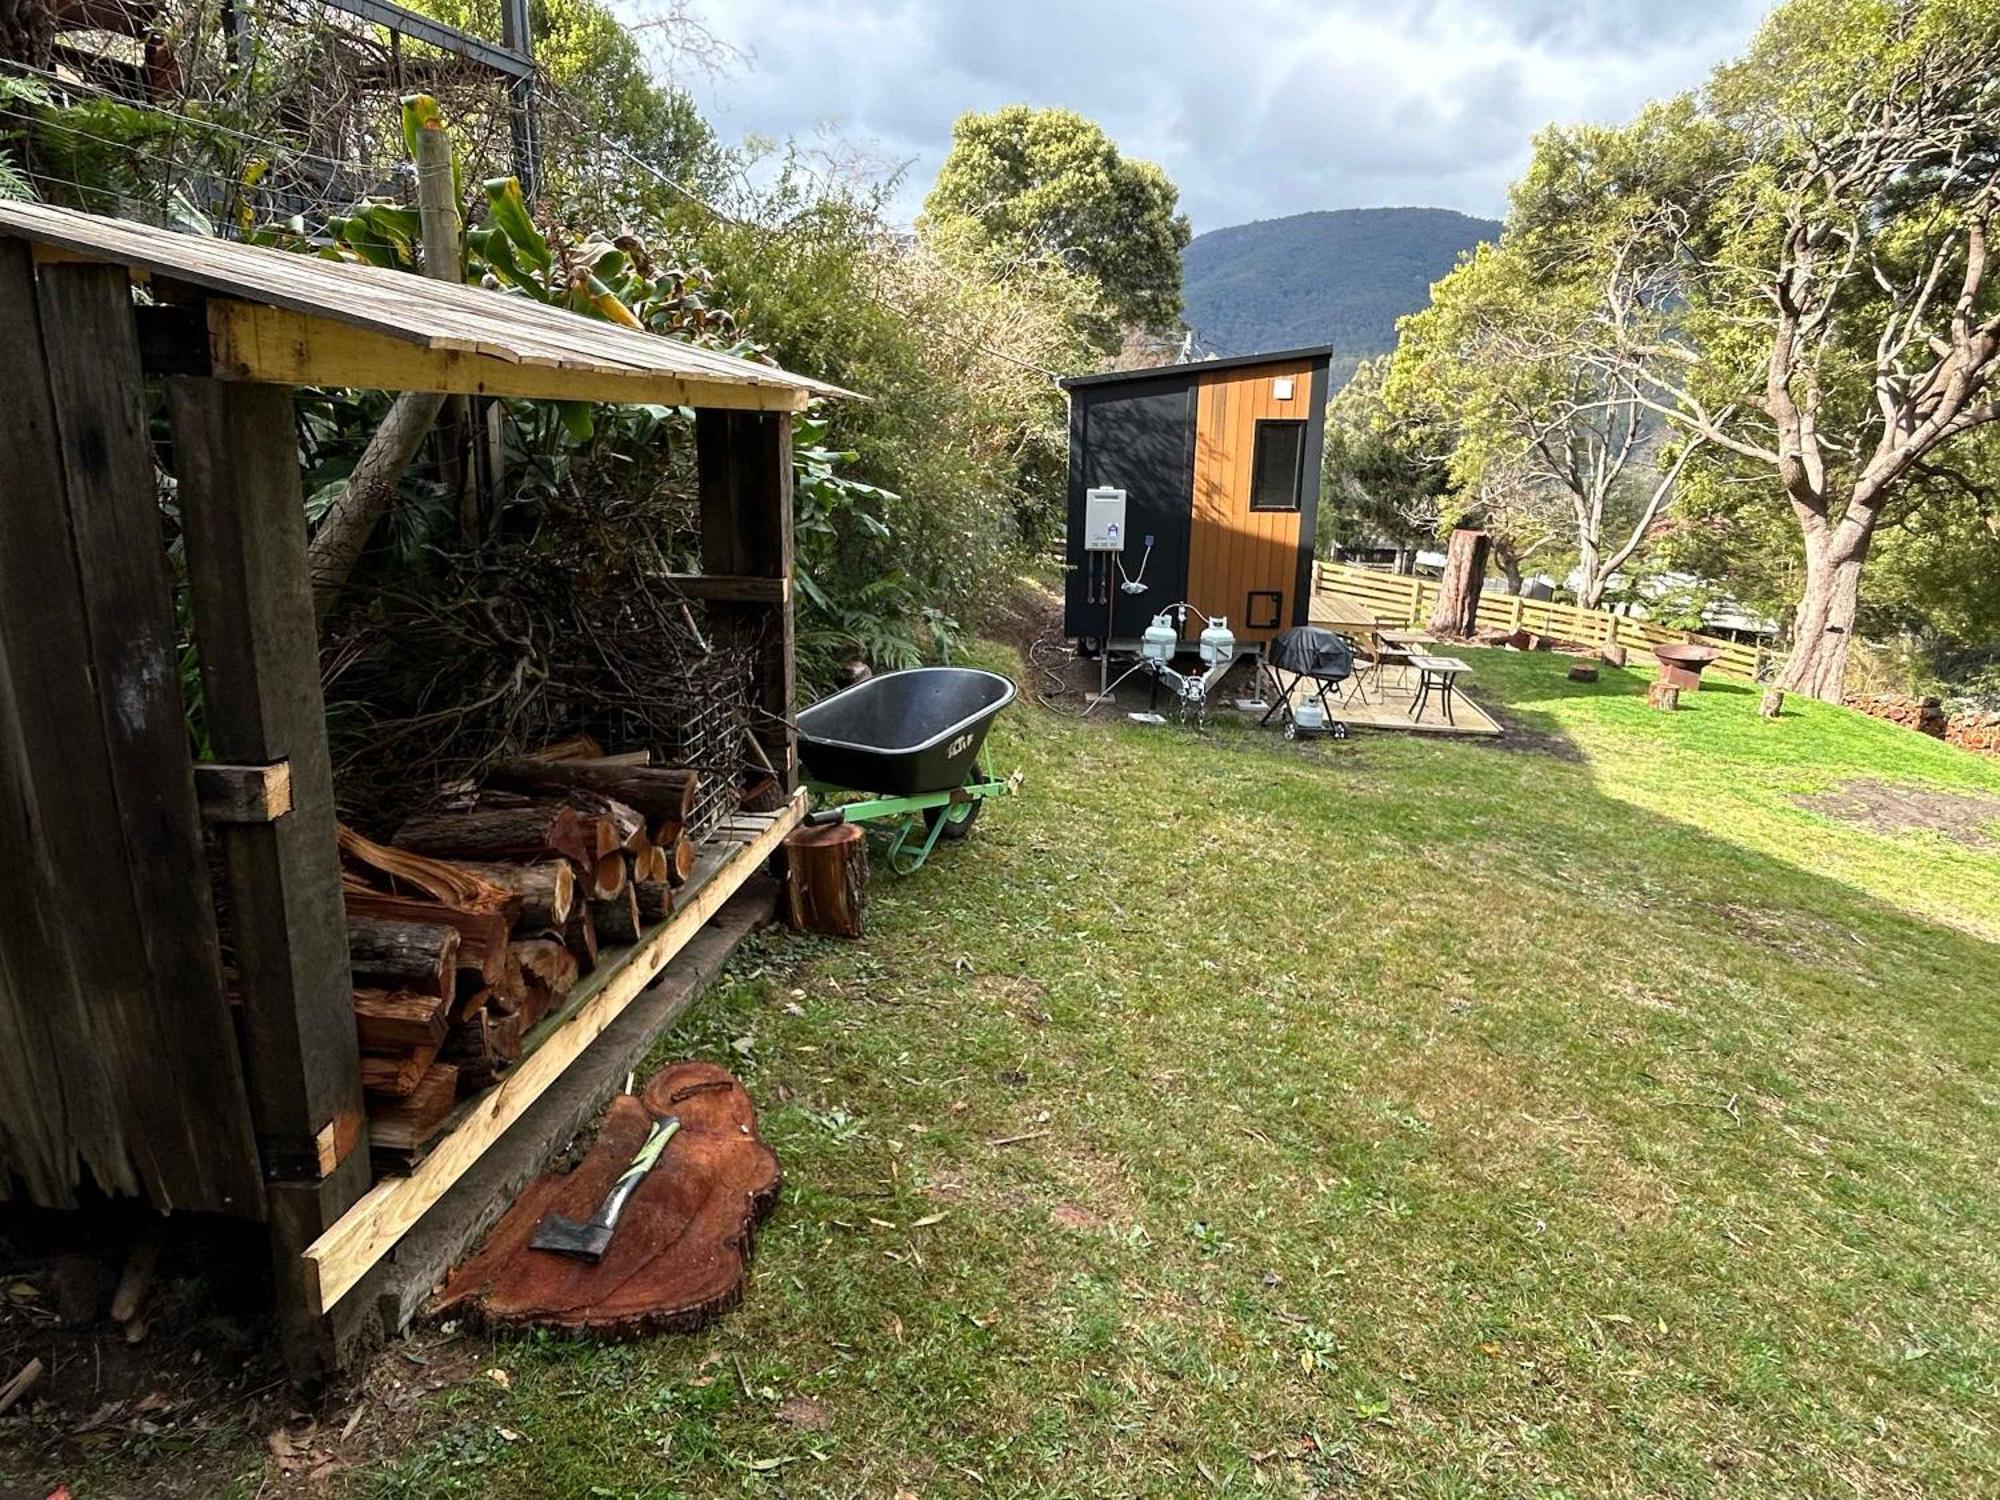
1136,437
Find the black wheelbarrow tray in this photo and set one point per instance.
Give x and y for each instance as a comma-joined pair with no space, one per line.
913,743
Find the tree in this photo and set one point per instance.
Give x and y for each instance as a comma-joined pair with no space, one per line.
1048,182
1500,367
1804,283
1378,483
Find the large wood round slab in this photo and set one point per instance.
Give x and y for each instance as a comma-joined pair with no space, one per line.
682,1248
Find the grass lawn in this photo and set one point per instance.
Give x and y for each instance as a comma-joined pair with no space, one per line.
1400,1116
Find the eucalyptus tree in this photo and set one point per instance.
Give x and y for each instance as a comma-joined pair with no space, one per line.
1804,272
1501,366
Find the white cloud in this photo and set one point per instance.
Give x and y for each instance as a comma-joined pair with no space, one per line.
1256,108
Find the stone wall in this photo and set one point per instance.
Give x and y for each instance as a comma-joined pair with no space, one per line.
1970,729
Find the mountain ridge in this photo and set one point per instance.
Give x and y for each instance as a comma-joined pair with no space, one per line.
1328,276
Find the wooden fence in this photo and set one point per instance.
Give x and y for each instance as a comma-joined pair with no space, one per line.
1399,600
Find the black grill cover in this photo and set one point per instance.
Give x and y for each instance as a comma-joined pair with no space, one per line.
1313,652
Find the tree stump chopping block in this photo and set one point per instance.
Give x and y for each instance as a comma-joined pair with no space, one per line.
678,1258
1583,671
826,879
1664,696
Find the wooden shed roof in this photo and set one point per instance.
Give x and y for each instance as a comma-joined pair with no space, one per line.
278,316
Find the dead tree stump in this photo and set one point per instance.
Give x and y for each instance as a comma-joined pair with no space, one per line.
1456,615
1772,704
826,881
1663,696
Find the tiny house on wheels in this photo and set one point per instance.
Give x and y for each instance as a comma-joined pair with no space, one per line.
1197,484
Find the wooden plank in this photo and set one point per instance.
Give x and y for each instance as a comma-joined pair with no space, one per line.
250,342
144,1050
435,316
730,588
243,794
58,1112
744,478
338,1260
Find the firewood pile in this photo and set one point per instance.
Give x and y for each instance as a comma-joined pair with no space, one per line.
479,916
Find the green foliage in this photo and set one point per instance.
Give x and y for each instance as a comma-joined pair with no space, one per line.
602,90
960,426
1341,278
1049,183
1379,481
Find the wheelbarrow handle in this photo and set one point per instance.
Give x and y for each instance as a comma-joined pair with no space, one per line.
826,817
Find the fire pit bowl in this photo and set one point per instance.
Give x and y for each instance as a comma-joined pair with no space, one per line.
1680,666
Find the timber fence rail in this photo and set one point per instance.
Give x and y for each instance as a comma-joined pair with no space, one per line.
1399,600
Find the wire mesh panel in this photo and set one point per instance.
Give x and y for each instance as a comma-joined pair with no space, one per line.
701,718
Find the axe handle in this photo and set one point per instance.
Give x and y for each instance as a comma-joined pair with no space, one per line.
643,1162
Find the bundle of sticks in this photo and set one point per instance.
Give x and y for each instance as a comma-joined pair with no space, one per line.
479,918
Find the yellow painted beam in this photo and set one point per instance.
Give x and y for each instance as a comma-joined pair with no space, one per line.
253,342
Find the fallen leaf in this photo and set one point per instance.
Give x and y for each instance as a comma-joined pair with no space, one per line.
501,1378
804,1413
508,1434
929,1219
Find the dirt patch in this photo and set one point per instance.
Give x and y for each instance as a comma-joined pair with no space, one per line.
1967,818
804,1413
1070,1216
1016,992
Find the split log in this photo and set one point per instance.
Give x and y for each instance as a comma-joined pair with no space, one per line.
1614,656
656,791
826,879
483,1047
612,874
534,831
482,935
1772,704
617,919
580,937
655,898
397,1076
387,1021
628,824
1664,696
547,972
683,1245
672,840
390,954
400,1129
442,881
546,891
576,747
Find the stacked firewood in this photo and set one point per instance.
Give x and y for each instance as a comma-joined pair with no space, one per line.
480,917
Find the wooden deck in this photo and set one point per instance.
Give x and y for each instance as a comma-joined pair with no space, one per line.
1389,709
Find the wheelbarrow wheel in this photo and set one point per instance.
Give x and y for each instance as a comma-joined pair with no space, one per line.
958,818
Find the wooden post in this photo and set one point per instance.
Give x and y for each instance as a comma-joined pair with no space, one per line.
236,458
1514,617
744,462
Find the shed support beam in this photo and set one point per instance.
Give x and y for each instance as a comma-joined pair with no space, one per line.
236,458
744,462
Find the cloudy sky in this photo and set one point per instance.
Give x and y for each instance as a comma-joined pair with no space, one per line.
1257,108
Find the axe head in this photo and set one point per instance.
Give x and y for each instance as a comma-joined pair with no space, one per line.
566,1236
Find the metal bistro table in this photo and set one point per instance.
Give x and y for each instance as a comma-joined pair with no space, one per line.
1441,673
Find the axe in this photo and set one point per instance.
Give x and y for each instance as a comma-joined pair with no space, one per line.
590,1238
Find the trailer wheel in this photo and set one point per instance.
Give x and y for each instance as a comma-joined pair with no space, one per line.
958,818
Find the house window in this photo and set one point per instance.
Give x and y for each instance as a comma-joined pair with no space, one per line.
1277,466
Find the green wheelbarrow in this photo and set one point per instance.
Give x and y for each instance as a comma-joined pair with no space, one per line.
912,745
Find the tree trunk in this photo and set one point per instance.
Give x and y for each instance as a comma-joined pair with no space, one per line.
1823,625
1457,612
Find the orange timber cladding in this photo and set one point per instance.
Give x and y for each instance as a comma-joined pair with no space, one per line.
1235,550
